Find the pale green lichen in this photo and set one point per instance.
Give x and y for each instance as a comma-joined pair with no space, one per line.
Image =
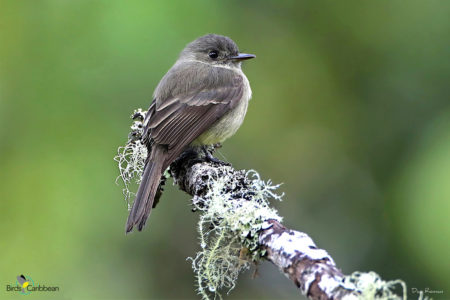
229,227
131,157
370,286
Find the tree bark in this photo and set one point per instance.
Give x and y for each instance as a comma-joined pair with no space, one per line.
293,252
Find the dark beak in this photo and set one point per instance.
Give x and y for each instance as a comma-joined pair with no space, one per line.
242,56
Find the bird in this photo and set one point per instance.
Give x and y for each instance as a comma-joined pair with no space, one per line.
202,100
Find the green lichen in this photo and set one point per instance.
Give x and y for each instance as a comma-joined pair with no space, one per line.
131,157
228,226
370,286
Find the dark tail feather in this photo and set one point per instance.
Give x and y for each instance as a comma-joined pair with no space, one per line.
143,203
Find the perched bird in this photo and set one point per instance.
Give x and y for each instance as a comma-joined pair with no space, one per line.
202,100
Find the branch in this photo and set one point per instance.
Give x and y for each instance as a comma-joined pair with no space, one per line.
293,252
309,267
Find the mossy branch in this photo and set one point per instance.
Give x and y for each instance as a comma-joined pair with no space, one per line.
311,269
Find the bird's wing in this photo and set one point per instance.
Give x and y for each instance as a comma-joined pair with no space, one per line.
181,119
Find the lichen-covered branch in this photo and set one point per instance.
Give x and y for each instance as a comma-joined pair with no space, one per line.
312,269
238,226
309,267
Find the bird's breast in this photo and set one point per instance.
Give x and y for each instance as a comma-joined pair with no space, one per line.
227,126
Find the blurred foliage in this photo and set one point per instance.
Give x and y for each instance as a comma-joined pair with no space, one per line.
350,110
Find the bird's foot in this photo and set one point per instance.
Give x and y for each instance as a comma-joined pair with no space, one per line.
210,158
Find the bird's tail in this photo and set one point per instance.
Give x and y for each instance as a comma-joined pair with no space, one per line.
143,203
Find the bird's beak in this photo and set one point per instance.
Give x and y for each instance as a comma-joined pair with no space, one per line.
243,56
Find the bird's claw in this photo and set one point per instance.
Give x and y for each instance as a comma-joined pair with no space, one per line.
210,158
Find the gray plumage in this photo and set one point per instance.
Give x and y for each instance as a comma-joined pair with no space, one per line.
201,100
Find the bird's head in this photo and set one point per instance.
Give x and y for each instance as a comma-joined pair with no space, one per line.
215,50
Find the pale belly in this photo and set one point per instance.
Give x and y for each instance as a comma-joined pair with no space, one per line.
228,124
224,127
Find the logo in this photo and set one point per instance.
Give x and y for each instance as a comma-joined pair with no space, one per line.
25,285
24,282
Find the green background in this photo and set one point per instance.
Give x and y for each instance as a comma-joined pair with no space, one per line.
350,110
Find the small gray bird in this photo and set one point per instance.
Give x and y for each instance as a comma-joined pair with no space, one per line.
202,100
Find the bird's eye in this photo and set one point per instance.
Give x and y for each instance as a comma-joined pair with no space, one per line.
213,54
